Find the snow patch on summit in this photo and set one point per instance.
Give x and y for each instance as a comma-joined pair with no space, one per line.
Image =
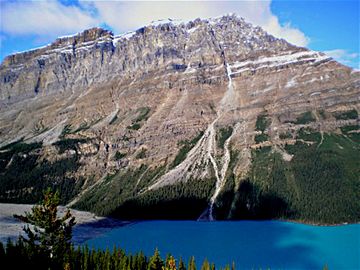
126,36
167,21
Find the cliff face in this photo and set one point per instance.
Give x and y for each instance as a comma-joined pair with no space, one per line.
96,56
171,102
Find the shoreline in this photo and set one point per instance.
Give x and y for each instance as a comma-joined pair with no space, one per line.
318,224
88,223
246,220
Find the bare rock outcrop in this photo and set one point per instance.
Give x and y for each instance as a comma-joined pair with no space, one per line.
133,98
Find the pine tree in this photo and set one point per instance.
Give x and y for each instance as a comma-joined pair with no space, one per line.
85,258
141,262
181,264
170,263
155,262
107,259
2,252
205,265
192,265
51,236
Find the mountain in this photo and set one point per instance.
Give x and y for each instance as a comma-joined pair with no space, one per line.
208,119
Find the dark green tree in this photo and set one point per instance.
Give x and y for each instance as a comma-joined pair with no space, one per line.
50,235
205,265
170,263
192,264
181,264
156,263
2,251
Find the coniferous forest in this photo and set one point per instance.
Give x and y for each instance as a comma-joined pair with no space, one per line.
48,245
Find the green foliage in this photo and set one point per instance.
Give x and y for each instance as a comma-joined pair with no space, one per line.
181,264
186,146
308,134
352,132
286,135
355,137
305,118
83,126
119,155
142,115
117,188
135,126
263,195
20,147
259,138
51,234
158,203
23,179
348,129
192,264
179,201
224,134
8,146
205,265
48,246
39,128
113,120
141,154
262,122
155,262
66,130
351,114
19,255
212,107
170,263
226,195
252,198
319,184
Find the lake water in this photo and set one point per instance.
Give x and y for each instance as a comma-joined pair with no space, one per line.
250,244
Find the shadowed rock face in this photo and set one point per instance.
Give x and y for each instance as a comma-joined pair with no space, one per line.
134,98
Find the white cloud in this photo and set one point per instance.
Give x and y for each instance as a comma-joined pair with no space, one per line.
43,18
125,16
131,15
343,56
292,35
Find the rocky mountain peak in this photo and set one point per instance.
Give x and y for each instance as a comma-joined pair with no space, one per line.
250,36
174,104
88,35
172,43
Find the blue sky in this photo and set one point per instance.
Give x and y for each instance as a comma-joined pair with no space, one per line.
330,26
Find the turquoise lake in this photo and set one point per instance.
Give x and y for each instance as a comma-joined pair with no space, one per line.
250,244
